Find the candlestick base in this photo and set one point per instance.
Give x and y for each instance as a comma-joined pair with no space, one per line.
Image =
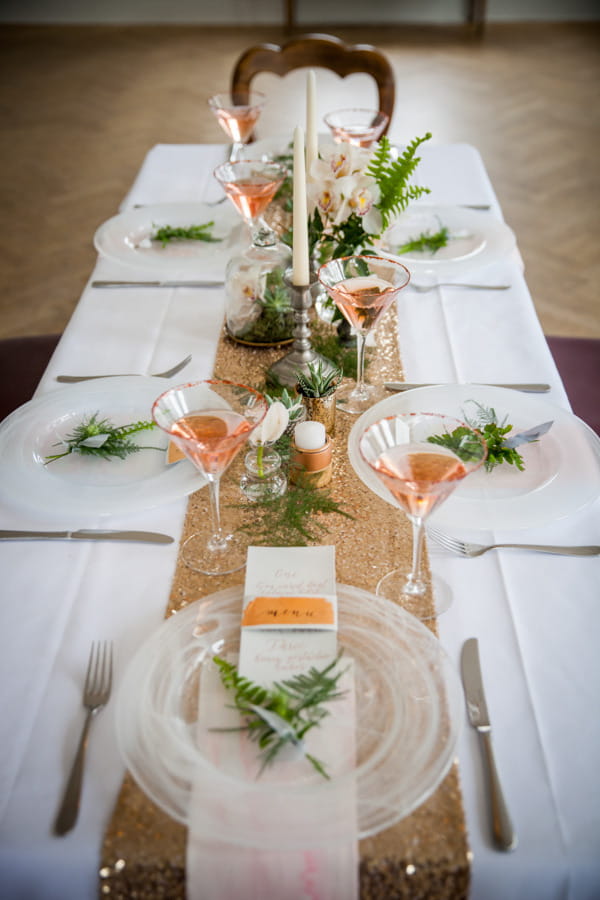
284,372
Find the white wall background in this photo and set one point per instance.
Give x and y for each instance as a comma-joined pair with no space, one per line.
272,12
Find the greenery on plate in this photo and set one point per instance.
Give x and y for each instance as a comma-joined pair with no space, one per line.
283,715
98,437
168,233
426,241
494,433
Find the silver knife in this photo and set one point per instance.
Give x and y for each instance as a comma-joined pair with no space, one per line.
503,832
149,537
408,386
157,284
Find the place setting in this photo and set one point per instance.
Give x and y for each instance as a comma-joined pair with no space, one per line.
295,721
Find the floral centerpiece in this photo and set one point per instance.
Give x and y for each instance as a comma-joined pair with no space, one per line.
355,193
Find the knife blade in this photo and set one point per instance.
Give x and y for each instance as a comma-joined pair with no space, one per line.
146,537
157,284
409,386
503,832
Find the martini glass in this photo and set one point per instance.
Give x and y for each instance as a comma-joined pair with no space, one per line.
251,185
210,421
237,115
362,287
359,127
420,474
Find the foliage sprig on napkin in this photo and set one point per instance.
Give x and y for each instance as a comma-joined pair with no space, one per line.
192,233
286,713
97,437
501,448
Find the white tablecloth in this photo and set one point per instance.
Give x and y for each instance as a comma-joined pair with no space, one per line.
537,617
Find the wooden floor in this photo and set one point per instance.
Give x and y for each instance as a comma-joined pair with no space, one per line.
81,106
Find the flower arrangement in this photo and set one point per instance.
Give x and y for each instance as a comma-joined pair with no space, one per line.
354,194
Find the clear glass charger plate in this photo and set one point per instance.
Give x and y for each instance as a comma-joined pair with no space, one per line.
80,485
122,239
409,713
476,240
562,469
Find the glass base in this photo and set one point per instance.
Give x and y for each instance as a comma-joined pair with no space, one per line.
203,554
255,488
351,400
398,587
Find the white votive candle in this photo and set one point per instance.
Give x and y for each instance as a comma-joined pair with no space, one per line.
312,145
310,436
300,274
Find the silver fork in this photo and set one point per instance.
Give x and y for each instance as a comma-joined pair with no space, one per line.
70,379
424,288
463,548
96,693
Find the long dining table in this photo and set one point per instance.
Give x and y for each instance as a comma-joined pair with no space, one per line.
536,616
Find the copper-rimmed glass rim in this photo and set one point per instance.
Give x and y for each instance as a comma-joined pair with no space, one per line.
368,256
189,384
255,98
237,164
456,423
377,113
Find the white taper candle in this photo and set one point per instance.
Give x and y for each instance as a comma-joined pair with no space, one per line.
300,271
312,141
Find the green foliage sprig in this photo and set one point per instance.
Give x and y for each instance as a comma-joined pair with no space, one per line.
392,177
284,714
493,432
193,233
97,437
296,519
427,241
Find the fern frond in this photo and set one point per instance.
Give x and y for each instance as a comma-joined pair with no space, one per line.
392,177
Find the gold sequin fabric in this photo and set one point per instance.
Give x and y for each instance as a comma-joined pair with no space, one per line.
425,855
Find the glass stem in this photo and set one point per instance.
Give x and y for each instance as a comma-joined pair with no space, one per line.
259,461
360,362
417,550
218,538
236,151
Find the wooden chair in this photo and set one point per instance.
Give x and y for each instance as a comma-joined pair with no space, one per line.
23,361
317,51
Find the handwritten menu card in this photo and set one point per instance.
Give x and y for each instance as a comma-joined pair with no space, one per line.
289,619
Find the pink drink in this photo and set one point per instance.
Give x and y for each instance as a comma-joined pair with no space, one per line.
211,438
252,196
357,135
419,479
238,123
363,299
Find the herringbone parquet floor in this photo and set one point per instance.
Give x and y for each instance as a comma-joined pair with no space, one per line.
81,106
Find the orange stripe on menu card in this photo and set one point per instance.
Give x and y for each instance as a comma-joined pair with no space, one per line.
288,611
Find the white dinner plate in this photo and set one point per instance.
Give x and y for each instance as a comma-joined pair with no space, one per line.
409,714
84,485
119,239
477,239
562,469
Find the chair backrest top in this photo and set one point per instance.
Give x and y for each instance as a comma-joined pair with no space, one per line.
319,51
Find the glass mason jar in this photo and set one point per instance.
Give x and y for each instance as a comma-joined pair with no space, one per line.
258,307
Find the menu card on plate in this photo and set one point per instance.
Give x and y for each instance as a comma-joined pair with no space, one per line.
289,619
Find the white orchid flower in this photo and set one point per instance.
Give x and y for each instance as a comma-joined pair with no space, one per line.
242,308
272,426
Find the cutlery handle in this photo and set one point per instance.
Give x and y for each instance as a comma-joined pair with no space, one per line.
73,379
503,832
590,550
69,808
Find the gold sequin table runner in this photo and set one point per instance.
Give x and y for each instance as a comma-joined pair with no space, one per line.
425,855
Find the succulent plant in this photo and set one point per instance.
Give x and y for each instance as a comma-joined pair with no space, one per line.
318,381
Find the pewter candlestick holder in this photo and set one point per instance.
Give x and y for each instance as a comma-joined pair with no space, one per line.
302,354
